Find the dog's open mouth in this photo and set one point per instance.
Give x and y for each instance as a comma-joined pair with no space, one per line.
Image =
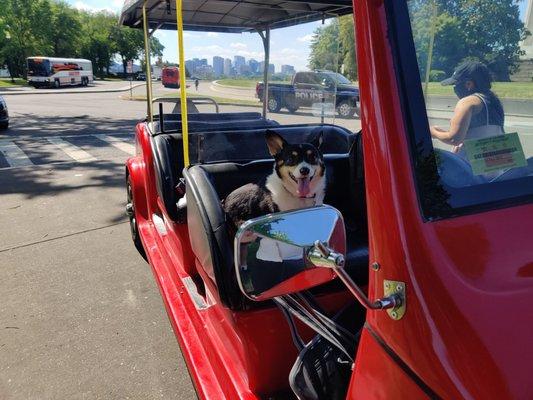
304,185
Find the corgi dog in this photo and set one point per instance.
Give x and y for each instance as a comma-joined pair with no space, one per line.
298,180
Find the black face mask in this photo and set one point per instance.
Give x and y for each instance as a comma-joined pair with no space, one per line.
461,91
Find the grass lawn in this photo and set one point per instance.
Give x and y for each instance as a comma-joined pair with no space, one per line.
243,83
6,82
505,90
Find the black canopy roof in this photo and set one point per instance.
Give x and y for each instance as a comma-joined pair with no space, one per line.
231,15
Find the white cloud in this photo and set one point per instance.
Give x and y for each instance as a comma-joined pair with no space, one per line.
238,45
306,38
80,5
213,34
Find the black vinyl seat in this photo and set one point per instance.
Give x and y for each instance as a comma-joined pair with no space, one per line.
208,184
209,121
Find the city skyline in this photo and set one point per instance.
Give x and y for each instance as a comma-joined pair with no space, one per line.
235,66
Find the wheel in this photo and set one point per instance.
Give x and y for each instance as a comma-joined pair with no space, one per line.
345,109
130,212
4,125
292,110
290,104
273,105
57,84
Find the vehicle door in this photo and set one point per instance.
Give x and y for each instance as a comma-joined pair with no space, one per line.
307,91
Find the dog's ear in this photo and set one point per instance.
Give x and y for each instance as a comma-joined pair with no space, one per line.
318,140
274,142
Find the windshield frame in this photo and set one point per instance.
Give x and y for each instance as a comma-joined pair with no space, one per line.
427,180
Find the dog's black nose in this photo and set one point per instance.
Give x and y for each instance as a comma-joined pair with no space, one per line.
304,171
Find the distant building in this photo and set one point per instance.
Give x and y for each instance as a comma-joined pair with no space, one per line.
218,66
238,62
194,64
227,67
204,71
244,70
287,70
254,66
271,68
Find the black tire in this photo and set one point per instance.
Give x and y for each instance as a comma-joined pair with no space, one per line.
273,104
130,212
291,104
57,84
292,110
4,125
345,109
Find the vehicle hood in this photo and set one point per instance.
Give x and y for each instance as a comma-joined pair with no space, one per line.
348,88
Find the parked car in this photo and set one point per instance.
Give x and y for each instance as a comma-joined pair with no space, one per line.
4,115
141,76
311,87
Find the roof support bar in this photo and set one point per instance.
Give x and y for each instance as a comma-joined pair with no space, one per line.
266,45
148,64
183,84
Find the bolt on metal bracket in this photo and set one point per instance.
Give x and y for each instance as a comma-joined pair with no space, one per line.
397,289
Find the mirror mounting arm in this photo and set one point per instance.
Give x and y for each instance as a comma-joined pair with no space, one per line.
321,256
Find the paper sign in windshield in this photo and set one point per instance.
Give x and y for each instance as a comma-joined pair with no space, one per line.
495,153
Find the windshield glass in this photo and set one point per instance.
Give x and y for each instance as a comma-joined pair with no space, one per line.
226,89
476,148
38,67
340,79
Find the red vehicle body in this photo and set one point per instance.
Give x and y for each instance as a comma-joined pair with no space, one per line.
170,77
468,326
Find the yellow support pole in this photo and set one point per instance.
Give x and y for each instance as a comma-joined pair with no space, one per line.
148,64
183,84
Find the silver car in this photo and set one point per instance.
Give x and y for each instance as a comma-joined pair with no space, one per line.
4,115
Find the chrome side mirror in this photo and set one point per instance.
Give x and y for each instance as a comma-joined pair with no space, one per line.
292,251
271,252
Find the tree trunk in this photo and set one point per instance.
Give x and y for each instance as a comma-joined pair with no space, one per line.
125,66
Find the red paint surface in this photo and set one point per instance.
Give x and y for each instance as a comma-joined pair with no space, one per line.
379,377
469,324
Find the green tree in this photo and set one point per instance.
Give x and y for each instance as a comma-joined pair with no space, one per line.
347,39
325,48
26,27
129,44
97,44
484,30
65,30
333,47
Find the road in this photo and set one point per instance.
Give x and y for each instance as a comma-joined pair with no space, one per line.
81,316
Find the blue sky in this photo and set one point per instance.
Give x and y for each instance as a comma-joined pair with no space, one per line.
288,45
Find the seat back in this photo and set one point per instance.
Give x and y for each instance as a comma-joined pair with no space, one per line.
230,145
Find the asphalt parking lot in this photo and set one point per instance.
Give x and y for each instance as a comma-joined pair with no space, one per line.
80,313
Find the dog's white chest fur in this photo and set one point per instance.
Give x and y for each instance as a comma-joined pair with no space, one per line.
287,201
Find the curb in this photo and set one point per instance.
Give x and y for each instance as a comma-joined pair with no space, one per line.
75,91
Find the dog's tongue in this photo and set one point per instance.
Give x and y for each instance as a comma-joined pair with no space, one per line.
303,187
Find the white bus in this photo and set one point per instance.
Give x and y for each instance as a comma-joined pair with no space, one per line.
57,72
